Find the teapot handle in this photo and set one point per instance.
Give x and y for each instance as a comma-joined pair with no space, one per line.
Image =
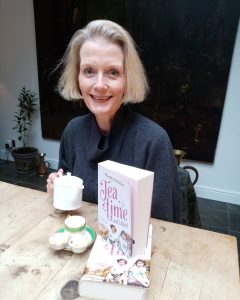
194,170
47,164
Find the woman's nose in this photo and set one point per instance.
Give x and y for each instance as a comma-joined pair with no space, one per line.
100,82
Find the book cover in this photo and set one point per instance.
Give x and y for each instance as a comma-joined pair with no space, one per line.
124,206
114,211
111,276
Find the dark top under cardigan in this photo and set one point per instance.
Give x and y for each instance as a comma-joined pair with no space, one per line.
133,140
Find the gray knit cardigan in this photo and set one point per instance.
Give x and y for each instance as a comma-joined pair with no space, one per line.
133,140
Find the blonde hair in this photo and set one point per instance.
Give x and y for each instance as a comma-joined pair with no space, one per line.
136,81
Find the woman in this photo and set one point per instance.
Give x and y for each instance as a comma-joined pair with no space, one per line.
102,67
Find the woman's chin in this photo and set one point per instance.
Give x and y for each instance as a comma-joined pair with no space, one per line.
99,109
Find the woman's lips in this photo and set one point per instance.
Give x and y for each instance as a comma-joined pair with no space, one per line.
100,98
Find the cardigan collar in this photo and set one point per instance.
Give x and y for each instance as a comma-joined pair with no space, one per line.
98,145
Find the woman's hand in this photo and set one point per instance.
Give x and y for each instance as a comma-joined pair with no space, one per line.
50,180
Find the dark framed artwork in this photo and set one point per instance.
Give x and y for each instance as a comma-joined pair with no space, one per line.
186,47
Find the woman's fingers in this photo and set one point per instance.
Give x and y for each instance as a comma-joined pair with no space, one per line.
50,180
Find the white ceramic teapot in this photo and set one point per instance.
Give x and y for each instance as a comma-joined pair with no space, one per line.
67,192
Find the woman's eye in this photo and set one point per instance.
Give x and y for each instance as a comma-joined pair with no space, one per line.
113,73
88,72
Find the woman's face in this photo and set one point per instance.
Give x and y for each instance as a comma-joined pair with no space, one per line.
102,78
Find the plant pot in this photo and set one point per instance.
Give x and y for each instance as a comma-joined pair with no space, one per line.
26,159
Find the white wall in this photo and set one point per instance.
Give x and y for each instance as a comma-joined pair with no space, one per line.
18,67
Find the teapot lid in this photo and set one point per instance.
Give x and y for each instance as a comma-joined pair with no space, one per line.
68,181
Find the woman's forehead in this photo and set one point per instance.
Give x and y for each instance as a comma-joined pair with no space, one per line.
101,50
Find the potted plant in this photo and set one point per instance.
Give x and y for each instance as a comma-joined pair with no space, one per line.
26,158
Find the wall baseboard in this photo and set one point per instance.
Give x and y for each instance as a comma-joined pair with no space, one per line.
7,156
218,194
53,163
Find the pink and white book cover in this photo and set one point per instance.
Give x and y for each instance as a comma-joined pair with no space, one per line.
124,206
114,211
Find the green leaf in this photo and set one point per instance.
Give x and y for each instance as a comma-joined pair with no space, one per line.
23,117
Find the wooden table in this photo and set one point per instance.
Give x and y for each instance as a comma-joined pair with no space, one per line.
187,263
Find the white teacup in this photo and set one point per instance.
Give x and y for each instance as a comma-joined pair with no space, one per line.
67,192
75,224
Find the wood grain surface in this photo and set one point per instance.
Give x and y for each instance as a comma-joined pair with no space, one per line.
187,263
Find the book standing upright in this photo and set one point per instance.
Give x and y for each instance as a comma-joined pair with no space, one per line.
114,211
124,200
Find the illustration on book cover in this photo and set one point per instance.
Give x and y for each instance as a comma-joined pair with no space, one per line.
104,267
114,212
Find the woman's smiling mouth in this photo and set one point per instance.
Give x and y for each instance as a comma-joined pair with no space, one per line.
100,98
